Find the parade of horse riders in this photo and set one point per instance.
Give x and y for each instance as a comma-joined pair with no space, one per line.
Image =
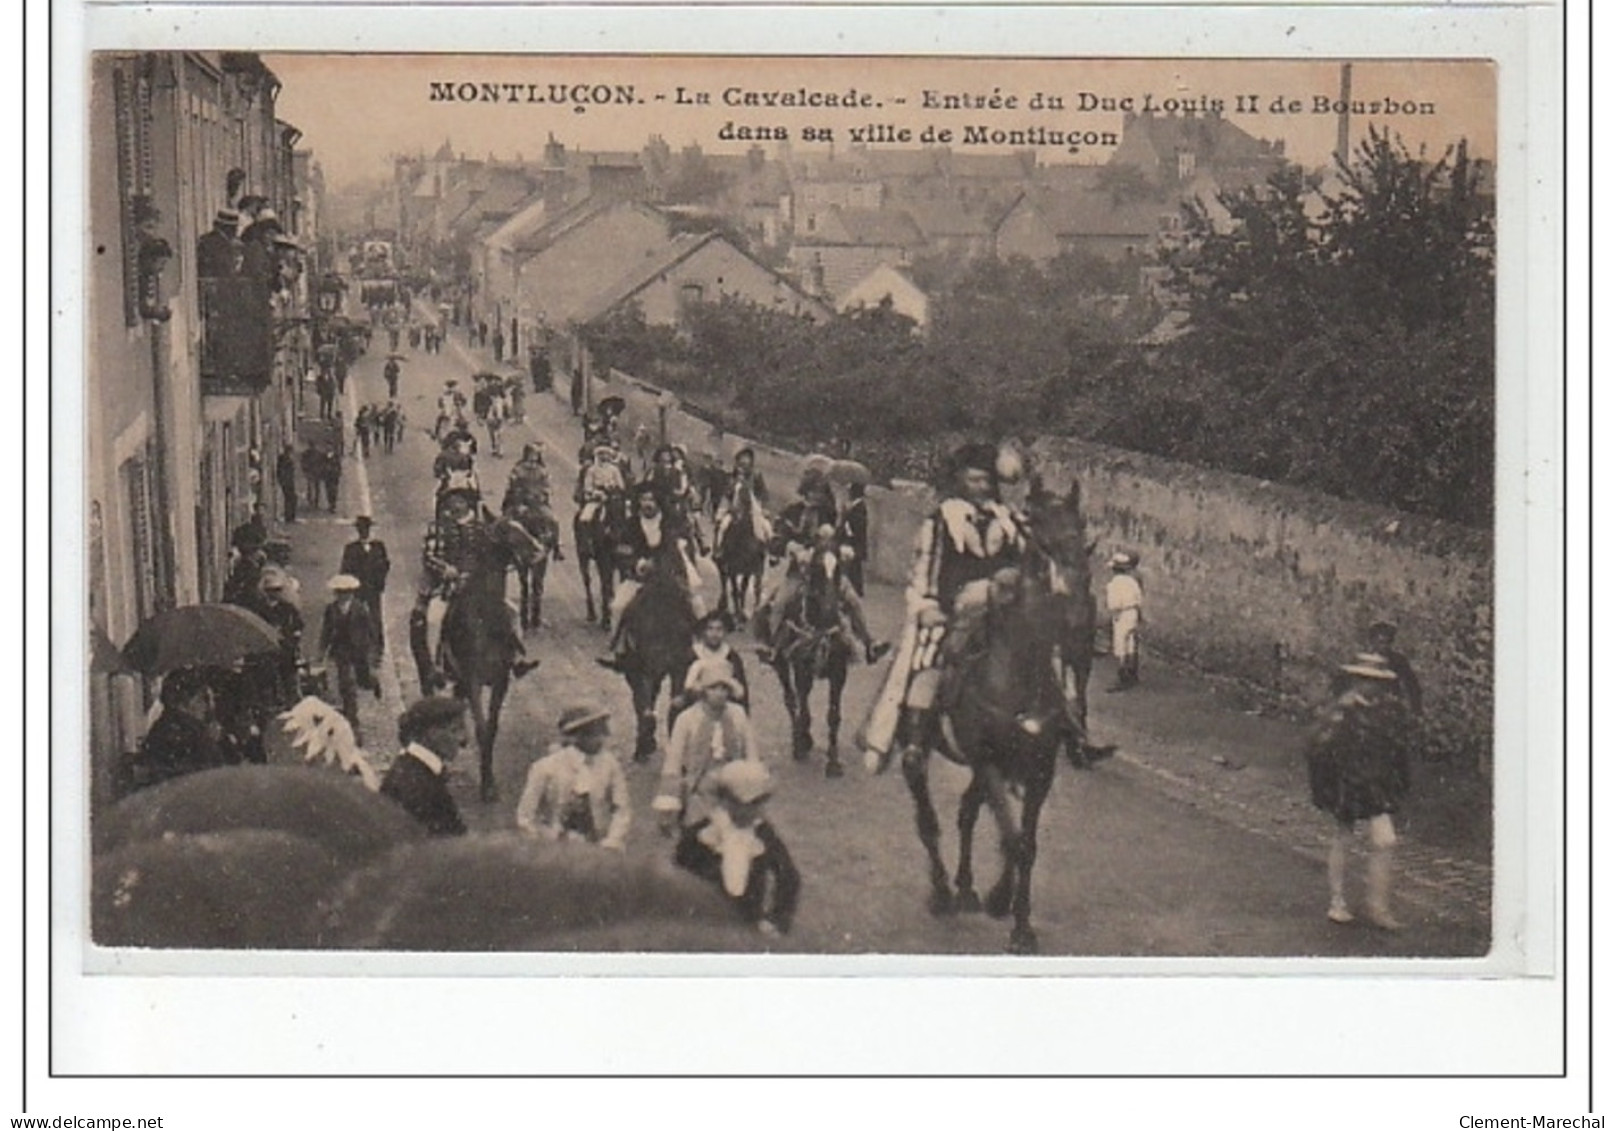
756,647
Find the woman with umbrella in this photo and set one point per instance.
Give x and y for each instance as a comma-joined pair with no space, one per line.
192,647
185,738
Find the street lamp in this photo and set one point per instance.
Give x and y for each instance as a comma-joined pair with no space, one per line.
151,261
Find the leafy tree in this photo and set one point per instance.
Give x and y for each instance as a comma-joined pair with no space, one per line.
1341,342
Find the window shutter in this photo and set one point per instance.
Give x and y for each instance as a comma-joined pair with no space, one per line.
131,97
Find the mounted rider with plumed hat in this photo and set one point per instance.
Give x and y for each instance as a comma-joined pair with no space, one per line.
962,544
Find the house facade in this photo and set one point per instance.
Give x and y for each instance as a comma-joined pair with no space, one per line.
888,285
852,242
1045,223
182,425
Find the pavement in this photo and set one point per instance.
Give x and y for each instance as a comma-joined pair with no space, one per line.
1185,740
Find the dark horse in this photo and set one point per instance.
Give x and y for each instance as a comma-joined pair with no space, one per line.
548,536
656,631
602,544
740,557
1018,700
478,643
814,645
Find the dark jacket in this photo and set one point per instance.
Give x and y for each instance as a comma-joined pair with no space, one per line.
424,796
347,637
1358,763
177,744
218,255
368,563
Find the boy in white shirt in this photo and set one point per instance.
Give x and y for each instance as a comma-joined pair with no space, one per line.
1124,598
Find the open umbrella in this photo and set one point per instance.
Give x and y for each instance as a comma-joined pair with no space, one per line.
199,636
818,463
849,472
396,357
612,404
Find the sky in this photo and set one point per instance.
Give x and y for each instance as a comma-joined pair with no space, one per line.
357,111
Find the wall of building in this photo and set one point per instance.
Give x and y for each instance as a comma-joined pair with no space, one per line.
840,266
1023,232
169,471
571,271
720,269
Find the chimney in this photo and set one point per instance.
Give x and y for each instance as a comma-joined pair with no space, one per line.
1343,128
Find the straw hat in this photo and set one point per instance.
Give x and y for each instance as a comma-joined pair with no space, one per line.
1369,665
745,780
577,719
712,673
344,583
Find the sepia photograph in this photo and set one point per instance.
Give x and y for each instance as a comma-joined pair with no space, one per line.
828,506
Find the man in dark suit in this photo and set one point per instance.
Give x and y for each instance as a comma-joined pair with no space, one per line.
346,639
366,558
432,731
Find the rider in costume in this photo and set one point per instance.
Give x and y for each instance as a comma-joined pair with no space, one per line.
597,482
828,557
965,541
745,494
454,547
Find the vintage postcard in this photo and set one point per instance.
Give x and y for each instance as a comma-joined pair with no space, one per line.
794,509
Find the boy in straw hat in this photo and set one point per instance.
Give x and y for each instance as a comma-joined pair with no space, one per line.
347,639
738,848
1124,599
1358,770
578,789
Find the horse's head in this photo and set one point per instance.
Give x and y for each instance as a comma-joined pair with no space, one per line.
1057,577
513,545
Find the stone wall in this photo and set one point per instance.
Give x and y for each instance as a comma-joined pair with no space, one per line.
1267,584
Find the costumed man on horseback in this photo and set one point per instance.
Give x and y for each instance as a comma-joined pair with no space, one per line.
658,546
493,409
455,468
672,486
795,535
830,558
450,409
528,489
597,482
454,547
743,499
968,538
813,507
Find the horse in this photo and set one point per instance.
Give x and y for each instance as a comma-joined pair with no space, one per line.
656,629
740,556
600,544
477,644
544,531
1015,703
814,645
